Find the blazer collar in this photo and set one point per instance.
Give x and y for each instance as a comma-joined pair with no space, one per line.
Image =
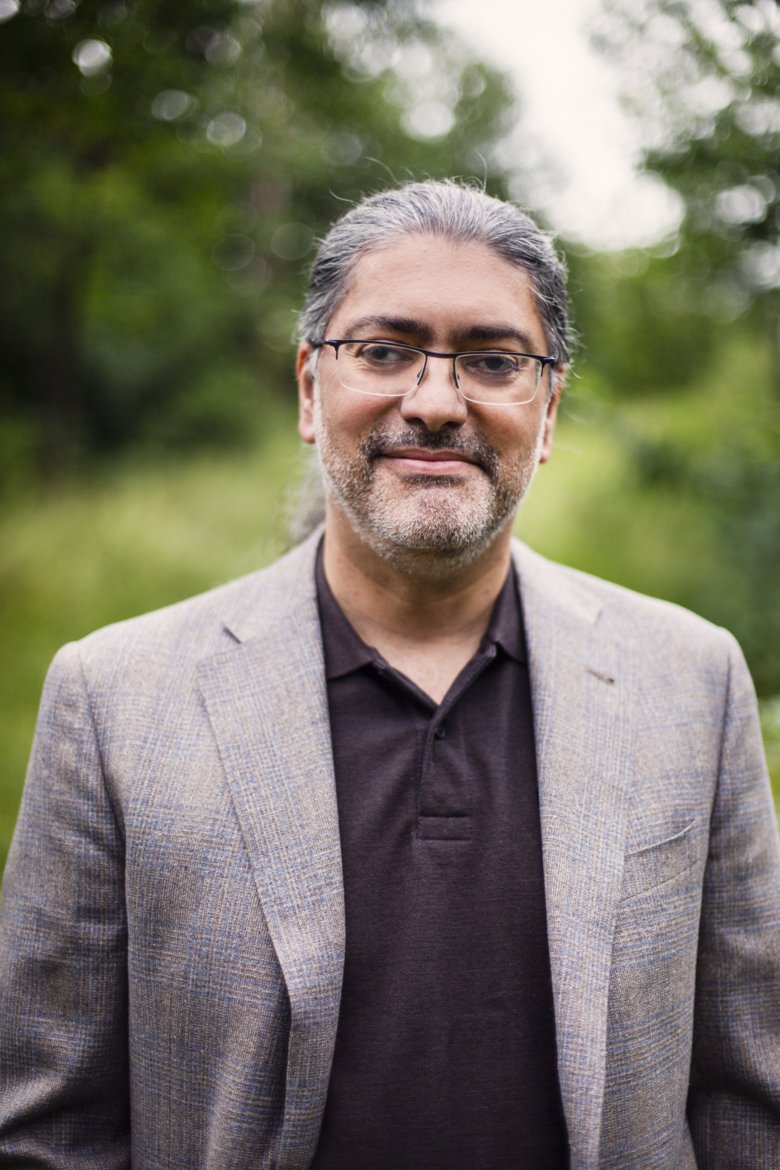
267,703
583,747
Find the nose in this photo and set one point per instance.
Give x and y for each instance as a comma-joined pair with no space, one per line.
435,401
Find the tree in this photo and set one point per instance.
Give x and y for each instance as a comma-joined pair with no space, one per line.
706,95
705,85
166,169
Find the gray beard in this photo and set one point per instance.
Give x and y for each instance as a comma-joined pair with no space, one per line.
434,525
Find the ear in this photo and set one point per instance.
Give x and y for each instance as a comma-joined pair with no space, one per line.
305,393
551,415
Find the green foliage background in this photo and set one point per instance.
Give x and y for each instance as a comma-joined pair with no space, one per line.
165,172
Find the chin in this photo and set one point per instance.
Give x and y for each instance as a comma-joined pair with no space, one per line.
443,535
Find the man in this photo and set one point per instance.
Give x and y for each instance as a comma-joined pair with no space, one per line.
413,850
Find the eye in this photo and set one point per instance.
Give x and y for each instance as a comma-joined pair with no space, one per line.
382,355
495,365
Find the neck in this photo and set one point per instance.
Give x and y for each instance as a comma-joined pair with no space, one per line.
423,602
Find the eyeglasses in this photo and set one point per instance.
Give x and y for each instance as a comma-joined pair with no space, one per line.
492,377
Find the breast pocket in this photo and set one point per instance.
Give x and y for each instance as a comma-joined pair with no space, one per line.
659,863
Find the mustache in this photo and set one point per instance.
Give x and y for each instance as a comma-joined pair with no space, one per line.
473,447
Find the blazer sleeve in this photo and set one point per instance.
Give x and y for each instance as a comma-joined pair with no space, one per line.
63,986
734,1102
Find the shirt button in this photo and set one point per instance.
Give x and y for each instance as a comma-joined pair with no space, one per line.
440,733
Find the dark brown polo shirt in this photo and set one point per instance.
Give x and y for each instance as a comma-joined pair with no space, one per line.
445,1053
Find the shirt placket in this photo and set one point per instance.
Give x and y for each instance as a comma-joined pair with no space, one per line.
445,794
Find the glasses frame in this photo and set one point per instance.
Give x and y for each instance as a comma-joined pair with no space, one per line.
336,343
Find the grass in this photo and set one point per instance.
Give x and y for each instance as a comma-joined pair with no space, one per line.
139,536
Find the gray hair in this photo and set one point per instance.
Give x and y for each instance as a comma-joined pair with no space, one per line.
459,213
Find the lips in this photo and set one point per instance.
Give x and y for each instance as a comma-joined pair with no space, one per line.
445,455
421,459
430,453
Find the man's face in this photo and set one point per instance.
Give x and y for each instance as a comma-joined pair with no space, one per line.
429,472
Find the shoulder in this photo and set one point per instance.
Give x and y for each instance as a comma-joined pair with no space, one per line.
628,616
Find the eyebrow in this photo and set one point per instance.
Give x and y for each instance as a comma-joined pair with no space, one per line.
407,325
497,333
424,334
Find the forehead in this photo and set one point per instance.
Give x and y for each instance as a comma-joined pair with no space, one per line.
448,288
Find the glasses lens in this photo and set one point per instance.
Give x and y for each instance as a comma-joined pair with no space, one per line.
498,377
379,367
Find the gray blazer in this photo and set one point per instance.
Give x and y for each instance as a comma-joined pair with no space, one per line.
173,929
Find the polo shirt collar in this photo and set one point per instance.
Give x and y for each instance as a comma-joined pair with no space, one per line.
345,651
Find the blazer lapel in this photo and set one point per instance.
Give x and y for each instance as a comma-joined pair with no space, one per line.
267,703
582,746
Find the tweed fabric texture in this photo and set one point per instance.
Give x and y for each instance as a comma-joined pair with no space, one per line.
172,934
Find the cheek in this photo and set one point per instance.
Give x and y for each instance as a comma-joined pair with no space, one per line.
346,423
515,438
